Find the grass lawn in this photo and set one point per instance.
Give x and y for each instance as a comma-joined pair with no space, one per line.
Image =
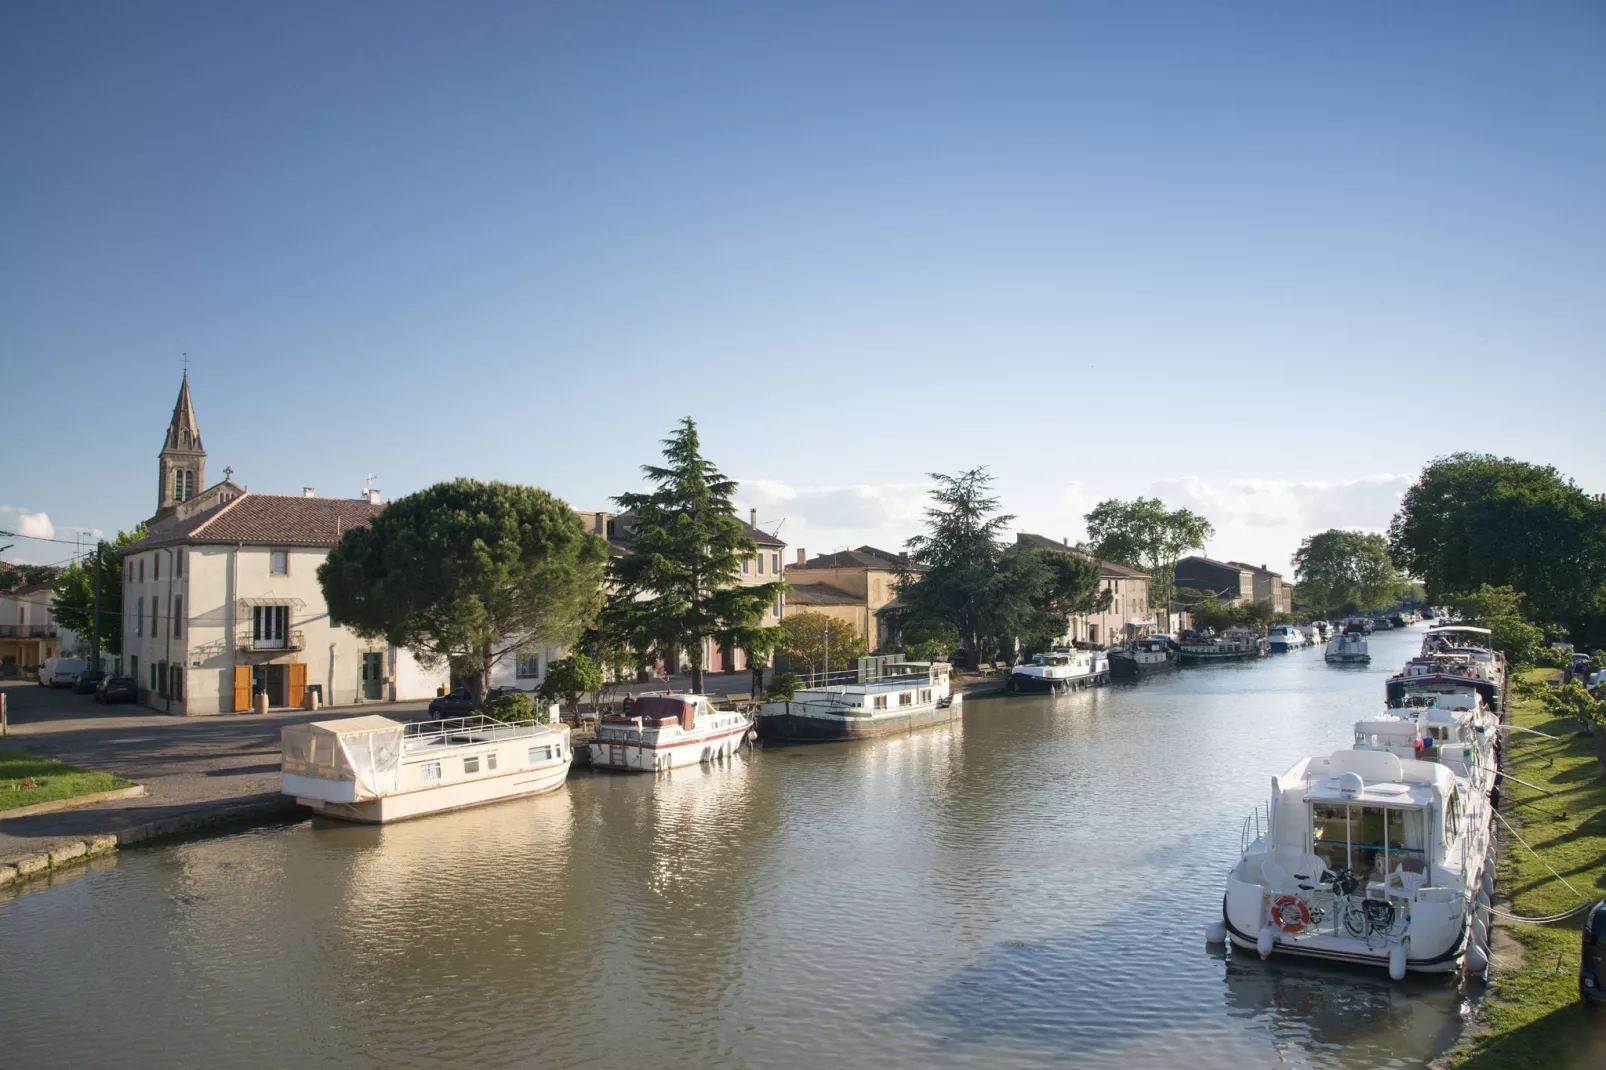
1532,1017
52,779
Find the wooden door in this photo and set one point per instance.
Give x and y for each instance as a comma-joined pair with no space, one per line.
242,688
298,684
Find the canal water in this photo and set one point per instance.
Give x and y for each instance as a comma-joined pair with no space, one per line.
1027,888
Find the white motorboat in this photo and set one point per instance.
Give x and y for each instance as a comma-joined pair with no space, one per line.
881,696
666,731
1282,638
1060,670
1379,855
1348,649
372,769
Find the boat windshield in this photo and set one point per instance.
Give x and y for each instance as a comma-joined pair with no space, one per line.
1370,841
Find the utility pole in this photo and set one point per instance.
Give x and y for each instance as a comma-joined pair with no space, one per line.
99,547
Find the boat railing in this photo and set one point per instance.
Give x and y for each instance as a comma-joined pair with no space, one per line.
481,730
1256,824
815,681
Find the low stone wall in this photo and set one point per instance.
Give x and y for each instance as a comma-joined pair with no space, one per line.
74,852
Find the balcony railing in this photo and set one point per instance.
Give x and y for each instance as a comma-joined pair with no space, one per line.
291,641
28,631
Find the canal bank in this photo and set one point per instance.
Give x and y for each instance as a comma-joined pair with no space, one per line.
1025,887
1532,1016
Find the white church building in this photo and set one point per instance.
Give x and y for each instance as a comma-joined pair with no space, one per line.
221,600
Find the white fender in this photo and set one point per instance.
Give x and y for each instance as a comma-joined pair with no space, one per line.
1476,961
1480,933
1265,941
1215,933
1397,962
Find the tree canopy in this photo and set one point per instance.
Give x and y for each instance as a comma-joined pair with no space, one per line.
13,575
74,601
992,596
806,638
679,583
1475,519
468,573
1346,571
1144,534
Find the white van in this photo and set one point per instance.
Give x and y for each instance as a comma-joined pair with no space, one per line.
61,672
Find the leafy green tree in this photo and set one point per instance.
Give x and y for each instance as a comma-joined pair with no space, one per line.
1208,610
929,640
1475,519
1346,571
73,604
13,576
679,584
782,687
960,556
1144,534
570,678
1042,589
468,573
806,638
1500,610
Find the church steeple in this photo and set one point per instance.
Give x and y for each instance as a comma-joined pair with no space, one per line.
182,463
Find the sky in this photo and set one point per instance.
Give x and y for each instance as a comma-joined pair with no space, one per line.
1261,260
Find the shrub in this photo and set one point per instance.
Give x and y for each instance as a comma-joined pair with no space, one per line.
512,709
1549,657
783,685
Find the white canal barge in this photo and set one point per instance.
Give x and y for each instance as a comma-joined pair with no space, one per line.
882,695
665,731
1059,670
372,769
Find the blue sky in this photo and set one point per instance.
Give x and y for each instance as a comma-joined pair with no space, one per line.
1264,260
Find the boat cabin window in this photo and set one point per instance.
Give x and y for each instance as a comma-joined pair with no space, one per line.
881,702
1370,841
1452,815
430,770
490,760
925,696
471,764
540,754
906,698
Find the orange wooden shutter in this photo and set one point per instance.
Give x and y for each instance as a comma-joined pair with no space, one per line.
242,688
298,683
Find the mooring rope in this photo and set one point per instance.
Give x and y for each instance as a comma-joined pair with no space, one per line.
1553,918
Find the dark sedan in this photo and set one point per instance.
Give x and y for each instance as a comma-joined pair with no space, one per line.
117,689
88,682
460,702
1592,966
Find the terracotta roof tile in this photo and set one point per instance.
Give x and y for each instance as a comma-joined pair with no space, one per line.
277,519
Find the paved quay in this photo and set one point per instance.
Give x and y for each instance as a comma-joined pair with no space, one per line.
196,770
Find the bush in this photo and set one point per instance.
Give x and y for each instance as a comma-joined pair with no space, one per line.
783,685
512,709
569,679
1574,701
1549,657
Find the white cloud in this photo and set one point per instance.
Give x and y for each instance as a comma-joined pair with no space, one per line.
825,519
1264,520
30,525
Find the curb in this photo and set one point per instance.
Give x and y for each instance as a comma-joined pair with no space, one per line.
67,853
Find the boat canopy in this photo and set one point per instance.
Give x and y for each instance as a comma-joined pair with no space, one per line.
367,750
1458,628
662,709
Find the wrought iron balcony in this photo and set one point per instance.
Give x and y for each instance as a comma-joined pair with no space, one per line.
291,641
28,631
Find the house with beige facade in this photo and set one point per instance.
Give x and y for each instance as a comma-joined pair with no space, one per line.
1129,614
1268,586
855,586
28,630
222,604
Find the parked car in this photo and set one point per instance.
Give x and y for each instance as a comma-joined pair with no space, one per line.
61,672
1592,964
88,681
460,702
117,689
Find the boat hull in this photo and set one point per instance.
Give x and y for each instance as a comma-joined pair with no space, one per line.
1024,684
1131,669
804,726
1206,659
1349,659
637,756
517,784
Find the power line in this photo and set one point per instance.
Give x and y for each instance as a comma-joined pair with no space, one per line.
41,538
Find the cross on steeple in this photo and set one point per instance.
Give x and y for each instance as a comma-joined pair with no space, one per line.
228,473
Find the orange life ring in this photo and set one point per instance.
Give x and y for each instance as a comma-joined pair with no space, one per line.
1290,921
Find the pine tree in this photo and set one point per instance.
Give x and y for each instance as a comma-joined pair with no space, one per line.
679,583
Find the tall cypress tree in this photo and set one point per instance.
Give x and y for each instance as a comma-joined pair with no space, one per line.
679,583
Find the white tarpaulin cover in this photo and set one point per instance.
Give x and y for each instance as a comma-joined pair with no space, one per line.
363,749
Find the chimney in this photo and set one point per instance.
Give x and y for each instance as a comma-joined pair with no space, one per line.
1066,539
1263,567
903,555
752,518
308,492
602,523
802,555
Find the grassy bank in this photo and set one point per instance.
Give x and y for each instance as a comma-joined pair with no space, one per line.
1532,1017
51,780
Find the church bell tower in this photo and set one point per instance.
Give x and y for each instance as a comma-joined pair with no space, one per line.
182,463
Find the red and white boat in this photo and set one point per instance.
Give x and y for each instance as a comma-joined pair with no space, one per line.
665,731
